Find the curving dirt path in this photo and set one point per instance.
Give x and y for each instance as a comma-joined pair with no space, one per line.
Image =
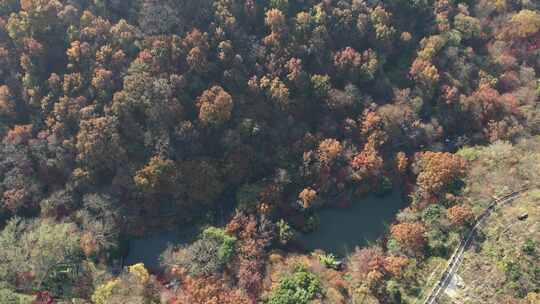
456,258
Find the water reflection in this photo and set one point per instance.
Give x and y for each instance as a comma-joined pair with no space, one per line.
341,230
147,249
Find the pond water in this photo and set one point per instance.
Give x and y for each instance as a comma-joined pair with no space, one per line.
147,249
340,230
343,229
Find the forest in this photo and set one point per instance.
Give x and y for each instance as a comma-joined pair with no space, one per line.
245,119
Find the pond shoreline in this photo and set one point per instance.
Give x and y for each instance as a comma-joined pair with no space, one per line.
341,229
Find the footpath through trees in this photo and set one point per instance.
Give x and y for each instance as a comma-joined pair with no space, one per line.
456,258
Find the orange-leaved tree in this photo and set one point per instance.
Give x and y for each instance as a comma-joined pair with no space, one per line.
410,236
460,215
215,106
157,175
437,172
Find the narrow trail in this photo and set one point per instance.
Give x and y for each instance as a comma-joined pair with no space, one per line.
456,258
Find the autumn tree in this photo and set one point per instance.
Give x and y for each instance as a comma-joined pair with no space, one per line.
321,85
368,164
197,46
486,104
202,179
395,265
73,84
306,197
254,236
363,261
526,23
208,290
123,36
65,116
424,73
356,65
98,145
19,134
103,83
329,149
381,19
276,90
469,27
20,189
371,121
275,19
7,104
411,236
215,106
460,215
296,73
157,175
402,163
437,172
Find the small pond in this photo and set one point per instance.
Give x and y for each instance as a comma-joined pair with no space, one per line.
147,249
340,230
343,229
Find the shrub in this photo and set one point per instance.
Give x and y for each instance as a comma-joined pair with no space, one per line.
103,292
206,255
140,272
329,260
392,287
432,213
469,153
226,249
385,186
285,232
298,288
512,270
312,223
529,247
10,297
437,242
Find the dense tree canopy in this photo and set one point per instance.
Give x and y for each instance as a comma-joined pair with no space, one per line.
119,117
